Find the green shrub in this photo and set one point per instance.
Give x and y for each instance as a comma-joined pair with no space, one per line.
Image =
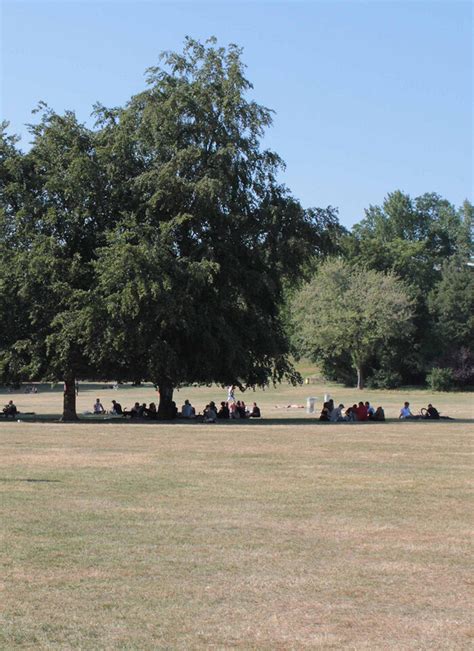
440,379
384,379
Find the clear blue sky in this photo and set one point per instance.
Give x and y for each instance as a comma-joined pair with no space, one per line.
369,97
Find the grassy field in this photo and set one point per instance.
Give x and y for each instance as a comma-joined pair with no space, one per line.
280,534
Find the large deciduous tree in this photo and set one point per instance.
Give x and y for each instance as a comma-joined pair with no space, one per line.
351,312
157,245
53,219
191,279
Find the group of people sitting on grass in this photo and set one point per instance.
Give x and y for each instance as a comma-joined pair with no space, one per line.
429,412
236,409
137,411
361,412
227,410
230,409
10,410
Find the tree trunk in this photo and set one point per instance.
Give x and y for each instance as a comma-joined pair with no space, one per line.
166,406
360,378
69,401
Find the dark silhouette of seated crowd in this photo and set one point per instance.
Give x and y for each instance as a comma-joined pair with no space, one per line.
228,410
232,409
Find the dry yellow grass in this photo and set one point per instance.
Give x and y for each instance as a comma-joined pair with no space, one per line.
248,535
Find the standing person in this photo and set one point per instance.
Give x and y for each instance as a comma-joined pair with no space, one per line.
98,408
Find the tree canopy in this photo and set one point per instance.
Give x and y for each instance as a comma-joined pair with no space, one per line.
157,245
352,313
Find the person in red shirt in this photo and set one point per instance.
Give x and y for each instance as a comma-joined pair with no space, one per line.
362,413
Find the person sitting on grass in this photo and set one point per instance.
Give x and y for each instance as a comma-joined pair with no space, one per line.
142,410
98,408
151,412
370,410
351,414
255,413
233,411
405,411
324,415
379,414
361,411
187,410
10,410
336,414
430,412
223,413
116,408
241,408
133,413
210,414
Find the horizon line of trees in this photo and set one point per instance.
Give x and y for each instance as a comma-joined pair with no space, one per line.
160,246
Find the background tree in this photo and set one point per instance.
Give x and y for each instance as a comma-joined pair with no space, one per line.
54,217
412,238
343,311
451,305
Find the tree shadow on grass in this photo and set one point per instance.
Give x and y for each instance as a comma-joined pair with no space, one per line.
30,480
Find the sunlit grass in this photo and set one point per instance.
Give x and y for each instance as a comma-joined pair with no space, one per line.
268,536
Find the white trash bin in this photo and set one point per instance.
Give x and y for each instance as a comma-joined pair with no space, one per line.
310,402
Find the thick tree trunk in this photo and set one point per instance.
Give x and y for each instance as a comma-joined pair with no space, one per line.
360,378
69,401
166,407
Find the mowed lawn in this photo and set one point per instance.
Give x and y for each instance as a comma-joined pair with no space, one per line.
266,535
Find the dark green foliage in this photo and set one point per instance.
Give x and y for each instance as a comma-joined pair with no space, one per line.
440,379
427,243
345,314
159,245
384,379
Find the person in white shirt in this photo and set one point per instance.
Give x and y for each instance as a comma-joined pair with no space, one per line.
187,410
405,411
98,408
